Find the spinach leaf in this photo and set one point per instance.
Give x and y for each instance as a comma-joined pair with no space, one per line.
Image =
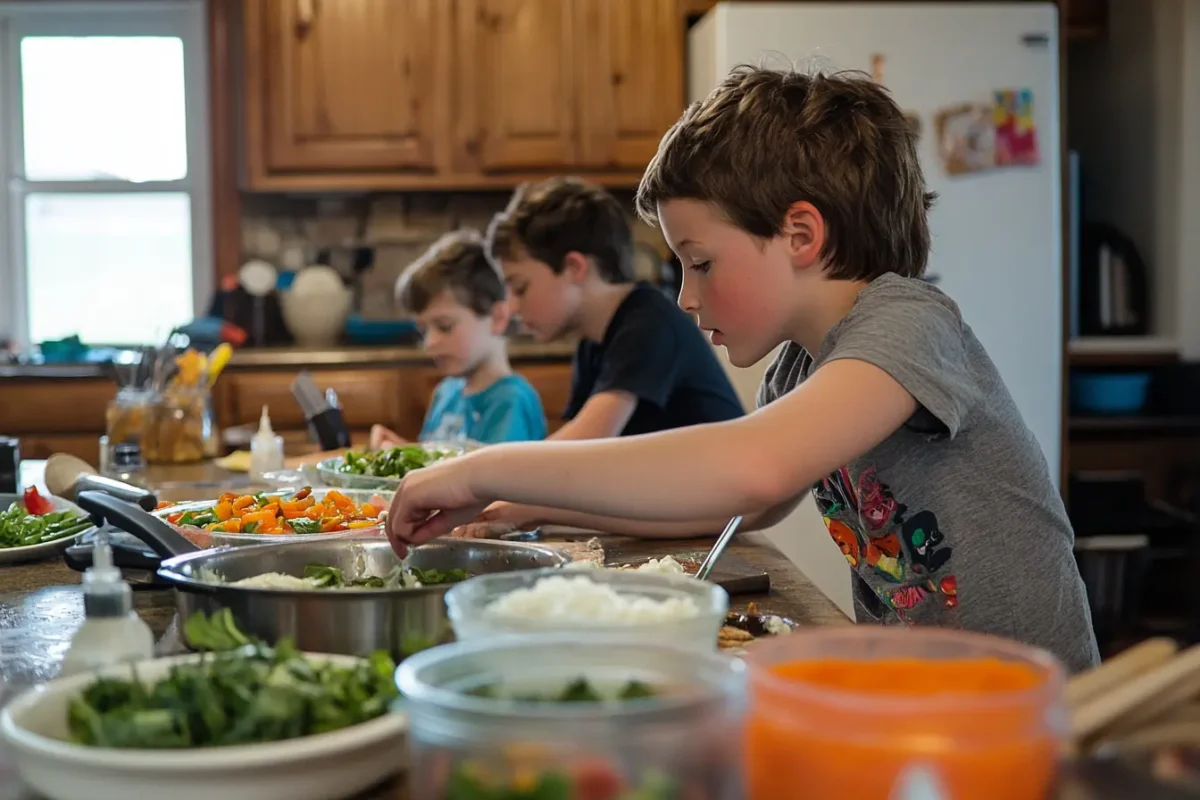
253,693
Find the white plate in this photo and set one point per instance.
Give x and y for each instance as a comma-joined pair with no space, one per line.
327,766
35,552
330,475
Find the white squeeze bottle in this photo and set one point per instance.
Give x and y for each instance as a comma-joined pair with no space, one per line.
266,449
112,633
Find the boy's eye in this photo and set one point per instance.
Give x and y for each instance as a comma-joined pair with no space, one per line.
701,266
444,327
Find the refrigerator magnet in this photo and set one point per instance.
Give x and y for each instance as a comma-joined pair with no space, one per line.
966,138
1016,131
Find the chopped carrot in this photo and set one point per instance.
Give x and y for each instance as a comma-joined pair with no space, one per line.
368,510
163,504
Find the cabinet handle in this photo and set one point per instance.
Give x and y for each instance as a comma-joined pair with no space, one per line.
306,12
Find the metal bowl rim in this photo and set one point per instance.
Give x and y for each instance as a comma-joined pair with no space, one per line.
168,571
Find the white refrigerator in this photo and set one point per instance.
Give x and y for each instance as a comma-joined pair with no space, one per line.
997,231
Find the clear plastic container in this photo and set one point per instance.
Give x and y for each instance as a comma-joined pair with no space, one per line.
204,538
682,743
467,606
859,711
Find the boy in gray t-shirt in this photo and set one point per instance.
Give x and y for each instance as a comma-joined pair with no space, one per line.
952,520
797,206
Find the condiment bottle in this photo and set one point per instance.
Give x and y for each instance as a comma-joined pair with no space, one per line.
266,449
112,633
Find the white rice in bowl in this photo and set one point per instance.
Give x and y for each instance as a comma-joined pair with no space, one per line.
579,599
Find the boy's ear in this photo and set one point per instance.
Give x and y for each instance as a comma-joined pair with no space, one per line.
501,317
804,229
576,266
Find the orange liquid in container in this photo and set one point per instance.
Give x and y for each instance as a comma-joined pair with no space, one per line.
848,712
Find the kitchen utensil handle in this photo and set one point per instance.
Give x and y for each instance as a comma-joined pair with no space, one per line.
158,534
119,489
710,561
79,557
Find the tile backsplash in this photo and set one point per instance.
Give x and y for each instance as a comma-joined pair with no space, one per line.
296,231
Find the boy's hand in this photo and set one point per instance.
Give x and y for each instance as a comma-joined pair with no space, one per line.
431,502
482,530
382,437
515,515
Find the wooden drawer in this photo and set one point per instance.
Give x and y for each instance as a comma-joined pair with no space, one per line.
54,406
367,396
80,445
553,383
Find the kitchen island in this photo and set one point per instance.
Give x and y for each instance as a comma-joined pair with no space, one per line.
41,603
41,607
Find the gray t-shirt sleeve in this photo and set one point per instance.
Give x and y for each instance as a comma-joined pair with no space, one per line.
919,342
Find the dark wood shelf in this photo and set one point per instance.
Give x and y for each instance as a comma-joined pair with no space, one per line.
1133,424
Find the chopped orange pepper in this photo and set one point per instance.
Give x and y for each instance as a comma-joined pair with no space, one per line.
362,523
223,510
245,501
330,524
316,512
232,525
227,497
163,504
368,510
303,493
174,518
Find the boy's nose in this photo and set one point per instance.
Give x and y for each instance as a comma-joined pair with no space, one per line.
689,301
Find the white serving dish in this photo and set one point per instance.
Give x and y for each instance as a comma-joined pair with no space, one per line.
329,474
205,539
35,552
328,766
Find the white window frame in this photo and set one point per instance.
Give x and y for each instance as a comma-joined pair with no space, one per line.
180,18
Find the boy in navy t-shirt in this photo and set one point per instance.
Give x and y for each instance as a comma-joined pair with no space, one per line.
459,300
566,250
642,365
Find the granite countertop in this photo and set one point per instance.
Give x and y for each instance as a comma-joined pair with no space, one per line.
521,351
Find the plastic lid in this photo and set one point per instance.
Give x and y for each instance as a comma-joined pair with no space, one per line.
105,592
264,425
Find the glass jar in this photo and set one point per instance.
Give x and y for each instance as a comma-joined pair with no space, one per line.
180,427
125,416
684,741
871,712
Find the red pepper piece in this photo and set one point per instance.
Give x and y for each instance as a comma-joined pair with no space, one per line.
36,504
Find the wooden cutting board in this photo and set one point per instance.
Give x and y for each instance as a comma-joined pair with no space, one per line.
732,574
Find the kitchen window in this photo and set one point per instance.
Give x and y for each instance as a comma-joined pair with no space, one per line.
104,153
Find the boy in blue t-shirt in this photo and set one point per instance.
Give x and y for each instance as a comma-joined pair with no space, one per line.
459,301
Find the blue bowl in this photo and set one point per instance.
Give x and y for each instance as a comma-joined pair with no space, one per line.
1109,393
379,331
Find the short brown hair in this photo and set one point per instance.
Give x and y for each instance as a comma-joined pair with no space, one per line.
456,263
765,139
547,220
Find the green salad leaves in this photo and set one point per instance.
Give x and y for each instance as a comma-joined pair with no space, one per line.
250,694
394,462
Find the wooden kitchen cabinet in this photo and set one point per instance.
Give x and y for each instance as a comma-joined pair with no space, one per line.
344,87
456,94
516,85
630,80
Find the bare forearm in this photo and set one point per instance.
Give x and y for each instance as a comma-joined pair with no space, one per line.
644,529
638,478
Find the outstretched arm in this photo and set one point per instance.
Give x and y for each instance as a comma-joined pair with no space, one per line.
703,472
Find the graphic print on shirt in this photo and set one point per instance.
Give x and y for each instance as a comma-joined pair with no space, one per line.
900,556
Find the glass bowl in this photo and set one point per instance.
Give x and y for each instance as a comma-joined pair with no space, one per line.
684,742
205,539
871,712
467,605
330,473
